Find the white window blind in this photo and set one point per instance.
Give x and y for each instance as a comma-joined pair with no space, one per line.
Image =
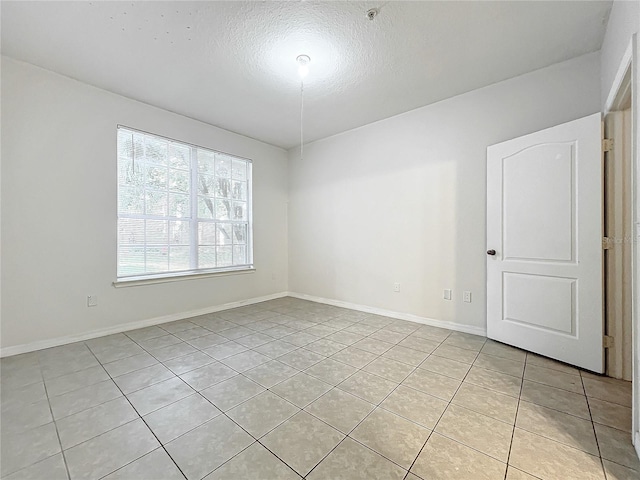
181,208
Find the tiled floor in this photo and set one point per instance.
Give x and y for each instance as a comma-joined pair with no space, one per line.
288,389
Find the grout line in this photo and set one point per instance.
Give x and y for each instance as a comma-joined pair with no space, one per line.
593,426
53,419
144,421
515,419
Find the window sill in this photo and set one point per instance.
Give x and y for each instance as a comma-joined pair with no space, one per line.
176,277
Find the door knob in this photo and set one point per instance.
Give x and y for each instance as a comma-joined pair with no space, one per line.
491,252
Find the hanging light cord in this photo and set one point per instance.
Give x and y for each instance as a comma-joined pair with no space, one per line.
301,119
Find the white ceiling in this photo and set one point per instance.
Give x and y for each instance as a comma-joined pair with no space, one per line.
232,64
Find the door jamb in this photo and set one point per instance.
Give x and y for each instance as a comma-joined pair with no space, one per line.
630,61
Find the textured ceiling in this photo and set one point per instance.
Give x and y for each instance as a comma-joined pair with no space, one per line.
232,64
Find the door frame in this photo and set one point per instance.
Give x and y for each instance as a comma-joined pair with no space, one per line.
629,62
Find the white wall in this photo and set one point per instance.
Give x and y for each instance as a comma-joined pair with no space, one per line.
403,199
59,210
624,21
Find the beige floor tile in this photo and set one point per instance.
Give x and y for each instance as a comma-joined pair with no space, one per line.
361,329
419,343
445,459
226,395
262,413
618,472
83,398
110,451
434,333
51,468
90,423
433,384
372,345
325,347
455,353
561,427
225,350
415,406
499,364
302,442
556,398
202,450
446,366
389,369
187,363
276,348
551,460
22,417
340,409
403,326
367,386
331,371
485,434
301,358
345,338
301,389
173,351
142,378
354,356
300,338
156,464
500,382
406,355
608,389
610,414
554,378
74,381
244,361
498,349
271,373
615,445
178,418
209,375
515,474
392,436
254,463
389,336
533,359
466,341
22,450
352,461
159,395
488,402
130,364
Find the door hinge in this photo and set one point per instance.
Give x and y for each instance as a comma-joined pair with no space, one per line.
607,341
606,243
607,144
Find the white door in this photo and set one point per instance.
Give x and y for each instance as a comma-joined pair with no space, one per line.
544,222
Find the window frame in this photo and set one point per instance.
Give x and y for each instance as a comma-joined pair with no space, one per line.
193,219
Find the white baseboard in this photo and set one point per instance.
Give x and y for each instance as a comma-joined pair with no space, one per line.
637,444
124,327
389,313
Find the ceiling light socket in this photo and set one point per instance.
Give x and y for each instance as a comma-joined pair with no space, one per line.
372,13
303,59
303,65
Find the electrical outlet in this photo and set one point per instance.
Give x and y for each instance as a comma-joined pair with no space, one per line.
396,287
466,297
447,294
92,301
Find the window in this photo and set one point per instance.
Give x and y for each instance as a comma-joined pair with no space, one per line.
182,209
